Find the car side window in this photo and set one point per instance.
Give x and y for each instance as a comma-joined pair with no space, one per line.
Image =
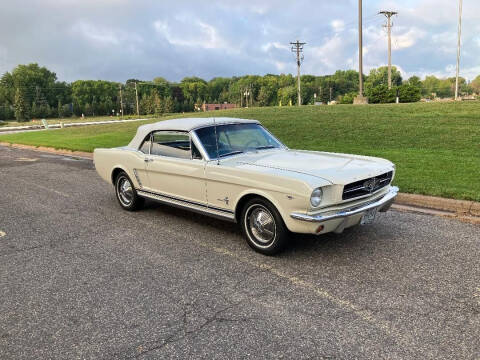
145,148
174,144
196,153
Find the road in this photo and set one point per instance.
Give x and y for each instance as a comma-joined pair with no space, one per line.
82,279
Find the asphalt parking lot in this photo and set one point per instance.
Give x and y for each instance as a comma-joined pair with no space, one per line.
82,279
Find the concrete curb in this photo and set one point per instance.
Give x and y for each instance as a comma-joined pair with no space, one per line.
459,207
468,211
78,154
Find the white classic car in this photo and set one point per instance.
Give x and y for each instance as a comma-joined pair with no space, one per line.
235,169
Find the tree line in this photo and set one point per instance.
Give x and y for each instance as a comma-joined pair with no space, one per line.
31,91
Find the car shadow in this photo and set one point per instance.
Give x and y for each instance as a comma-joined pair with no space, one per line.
357,238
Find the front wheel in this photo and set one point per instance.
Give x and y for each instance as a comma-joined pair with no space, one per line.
126,194
263,227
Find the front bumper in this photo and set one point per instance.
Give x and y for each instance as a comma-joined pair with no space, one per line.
382,204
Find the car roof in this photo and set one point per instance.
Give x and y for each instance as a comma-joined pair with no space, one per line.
182,124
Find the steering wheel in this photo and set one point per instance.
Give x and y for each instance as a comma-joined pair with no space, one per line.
252,142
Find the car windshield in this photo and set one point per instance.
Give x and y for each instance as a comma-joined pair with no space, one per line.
235,139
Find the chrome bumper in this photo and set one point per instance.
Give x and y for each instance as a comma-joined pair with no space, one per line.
383,204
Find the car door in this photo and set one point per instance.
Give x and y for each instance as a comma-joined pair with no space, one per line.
175,168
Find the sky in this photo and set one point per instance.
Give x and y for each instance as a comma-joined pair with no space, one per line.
122,39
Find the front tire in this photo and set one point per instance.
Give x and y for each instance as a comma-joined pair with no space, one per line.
126,194
263,227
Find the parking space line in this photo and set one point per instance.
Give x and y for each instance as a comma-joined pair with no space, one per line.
476,294
44,187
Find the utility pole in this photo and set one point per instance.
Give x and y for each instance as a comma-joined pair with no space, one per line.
297,47
458,45
360,47
388,15
136,96
121,100
360,100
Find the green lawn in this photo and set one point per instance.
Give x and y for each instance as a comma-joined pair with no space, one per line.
436,146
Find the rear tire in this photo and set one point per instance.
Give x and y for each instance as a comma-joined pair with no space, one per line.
126,194
263,227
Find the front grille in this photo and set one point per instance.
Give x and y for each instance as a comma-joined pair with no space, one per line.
366,186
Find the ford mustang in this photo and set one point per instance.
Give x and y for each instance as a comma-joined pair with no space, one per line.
235,169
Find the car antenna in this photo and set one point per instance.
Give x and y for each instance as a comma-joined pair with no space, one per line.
216,140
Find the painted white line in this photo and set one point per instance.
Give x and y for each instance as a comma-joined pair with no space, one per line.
44,188
476,295
386,326
26,159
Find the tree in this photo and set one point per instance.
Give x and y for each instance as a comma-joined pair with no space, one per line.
415,81
159,106
194,89
380,94
169,105
215,88
348,98
380,77
287,95
409,93
21,108
475,84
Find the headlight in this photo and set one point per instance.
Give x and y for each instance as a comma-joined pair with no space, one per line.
316,197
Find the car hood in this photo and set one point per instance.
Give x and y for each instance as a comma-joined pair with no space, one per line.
335,168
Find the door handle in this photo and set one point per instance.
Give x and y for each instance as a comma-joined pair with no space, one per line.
147,160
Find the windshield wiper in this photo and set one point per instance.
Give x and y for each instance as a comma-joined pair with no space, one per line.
265,147
232,153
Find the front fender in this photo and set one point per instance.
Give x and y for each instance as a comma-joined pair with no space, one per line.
284,203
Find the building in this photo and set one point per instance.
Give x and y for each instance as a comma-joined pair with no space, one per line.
224,106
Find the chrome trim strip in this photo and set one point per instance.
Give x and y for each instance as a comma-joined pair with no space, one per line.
190,205
138,178
385,201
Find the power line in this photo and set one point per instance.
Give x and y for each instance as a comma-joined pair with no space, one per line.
297,48
388,15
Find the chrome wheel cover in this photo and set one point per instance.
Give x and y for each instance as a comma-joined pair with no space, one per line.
125,191
260,225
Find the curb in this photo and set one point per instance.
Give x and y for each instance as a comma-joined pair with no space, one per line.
464,210
459,207
77,154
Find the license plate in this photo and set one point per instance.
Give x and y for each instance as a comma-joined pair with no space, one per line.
368,217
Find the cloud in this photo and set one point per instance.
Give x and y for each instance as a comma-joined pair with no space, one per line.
338,25
122,39
95,34
275,45
198,34
407,37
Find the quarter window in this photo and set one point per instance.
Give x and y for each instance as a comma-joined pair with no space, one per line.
172,144
145,148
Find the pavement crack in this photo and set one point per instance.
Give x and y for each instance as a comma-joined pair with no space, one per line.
172,338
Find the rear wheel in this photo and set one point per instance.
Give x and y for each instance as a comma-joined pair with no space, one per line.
263,227
126,194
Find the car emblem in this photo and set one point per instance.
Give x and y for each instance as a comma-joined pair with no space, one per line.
370,184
